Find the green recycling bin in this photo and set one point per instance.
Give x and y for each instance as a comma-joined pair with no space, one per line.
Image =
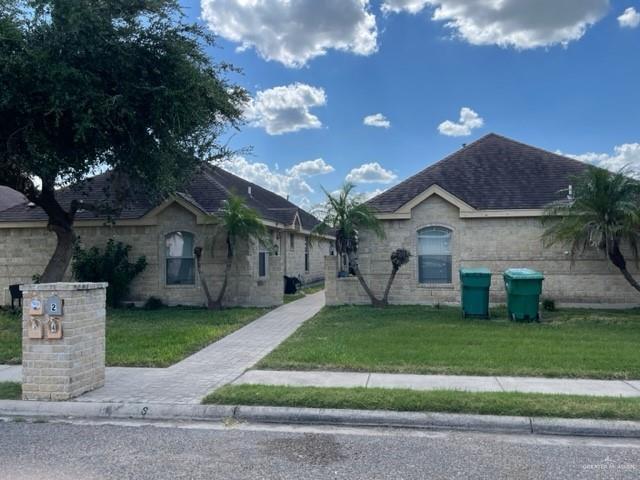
474,288
523,287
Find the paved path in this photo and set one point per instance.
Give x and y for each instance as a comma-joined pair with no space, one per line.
630,388
194,377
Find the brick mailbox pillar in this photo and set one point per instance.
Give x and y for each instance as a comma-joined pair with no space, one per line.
63,339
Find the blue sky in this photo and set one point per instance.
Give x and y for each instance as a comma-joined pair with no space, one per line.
559,74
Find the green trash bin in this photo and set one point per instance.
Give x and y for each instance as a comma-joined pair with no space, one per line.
474,289
523,287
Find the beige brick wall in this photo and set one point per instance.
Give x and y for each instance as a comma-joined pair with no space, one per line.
74,364
295,267
496,243
26,251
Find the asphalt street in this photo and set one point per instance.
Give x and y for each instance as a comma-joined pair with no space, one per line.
130,450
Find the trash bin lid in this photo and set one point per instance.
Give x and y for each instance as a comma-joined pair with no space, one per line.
523,273
475,272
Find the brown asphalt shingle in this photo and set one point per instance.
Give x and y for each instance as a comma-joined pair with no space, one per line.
206,191
494,172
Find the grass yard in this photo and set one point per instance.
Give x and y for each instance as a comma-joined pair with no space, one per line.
146,338
502,403
416,339
314,288
10,391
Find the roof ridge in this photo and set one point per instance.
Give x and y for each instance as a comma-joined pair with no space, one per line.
432,166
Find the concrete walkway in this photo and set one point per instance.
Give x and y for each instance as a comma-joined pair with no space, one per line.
611,388
194,377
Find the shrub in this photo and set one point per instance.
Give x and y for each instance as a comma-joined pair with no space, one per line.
153,303
548,305
111,266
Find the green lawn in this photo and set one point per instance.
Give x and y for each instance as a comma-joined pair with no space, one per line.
146,338
522,404
314,288
569,343
10,391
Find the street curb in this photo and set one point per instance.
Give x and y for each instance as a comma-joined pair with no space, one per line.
319,416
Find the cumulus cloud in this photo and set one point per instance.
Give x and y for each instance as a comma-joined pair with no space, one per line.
371,173
286,108
292,183
376,120
521,24
625,155
310,168
294,31
468,121
630,18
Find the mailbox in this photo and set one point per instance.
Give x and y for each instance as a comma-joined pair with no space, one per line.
34,328
53,306
35,307
54,328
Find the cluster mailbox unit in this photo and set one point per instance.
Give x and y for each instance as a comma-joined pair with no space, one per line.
45,317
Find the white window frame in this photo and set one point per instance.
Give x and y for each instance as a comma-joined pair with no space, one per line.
167,258
439,227
263,250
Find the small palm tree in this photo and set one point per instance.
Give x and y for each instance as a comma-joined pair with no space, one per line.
241,223
345,215
603,212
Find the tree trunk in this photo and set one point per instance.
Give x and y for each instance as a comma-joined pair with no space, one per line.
227,271
203,281
385,298
60,223
616,257
354,265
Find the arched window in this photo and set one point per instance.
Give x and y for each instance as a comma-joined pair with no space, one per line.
434,255
180,260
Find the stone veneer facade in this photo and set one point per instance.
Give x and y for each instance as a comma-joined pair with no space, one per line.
65,368
496,243
25,250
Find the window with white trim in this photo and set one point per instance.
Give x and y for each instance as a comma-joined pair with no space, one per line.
306,254
180,262
434,255
263,260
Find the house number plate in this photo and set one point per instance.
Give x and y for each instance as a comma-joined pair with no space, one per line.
53,306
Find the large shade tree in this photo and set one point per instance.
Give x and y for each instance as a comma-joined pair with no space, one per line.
602,212
345,215
240,224
87,85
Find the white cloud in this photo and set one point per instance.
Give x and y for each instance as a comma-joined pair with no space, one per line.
292,183
286,108
310,168
376,120
370,173
294,31
468,121
625,155
510,23
630,18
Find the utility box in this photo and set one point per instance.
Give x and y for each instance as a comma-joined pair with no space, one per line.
63,339
474,290
523,287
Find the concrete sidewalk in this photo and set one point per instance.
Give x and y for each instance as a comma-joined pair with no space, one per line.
191,379
564,386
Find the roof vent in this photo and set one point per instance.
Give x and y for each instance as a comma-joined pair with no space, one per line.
31,204
249,191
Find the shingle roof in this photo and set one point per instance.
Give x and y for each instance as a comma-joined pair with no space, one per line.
206,191
9,198
494,172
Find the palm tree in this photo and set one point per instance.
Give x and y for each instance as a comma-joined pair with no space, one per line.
346,214
603,212
241,223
